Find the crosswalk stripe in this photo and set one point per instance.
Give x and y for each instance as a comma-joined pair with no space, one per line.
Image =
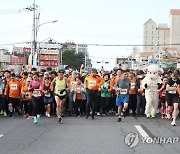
141,131
1,135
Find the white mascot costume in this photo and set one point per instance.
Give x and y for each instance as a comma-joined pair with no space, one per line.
150,84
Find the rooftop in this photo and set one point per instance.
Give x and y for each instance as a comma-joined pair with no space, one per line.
175,11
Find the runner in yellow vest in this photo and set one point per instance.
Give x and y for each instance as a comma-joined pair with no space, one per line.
60,85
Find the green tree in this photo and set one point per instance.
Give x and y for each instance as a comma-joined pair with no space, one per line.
71,58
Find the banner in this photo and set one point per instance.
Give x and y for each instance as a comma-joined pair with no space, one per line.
48,63
49,52
17,60
5,59
48,57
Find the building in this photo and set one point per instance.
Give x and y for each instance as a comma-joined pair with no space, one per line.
83,48
155,38
48,55
175,28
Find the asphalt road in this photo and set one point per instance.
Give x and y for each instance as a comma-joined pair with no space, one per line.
103,135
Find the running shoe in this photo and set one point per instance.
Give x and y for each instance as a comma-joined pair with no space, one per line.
59,119
153,116
87,116
119,119
173,123
163,116
35,120
48,115
11,114
148,116
168,116
5,114
38,118
98,114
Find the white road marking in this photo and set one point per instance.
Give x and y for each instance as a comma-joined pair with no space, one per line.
141,131
1,135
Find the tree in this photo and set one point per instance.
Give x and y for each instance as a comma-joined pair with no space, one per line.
71,58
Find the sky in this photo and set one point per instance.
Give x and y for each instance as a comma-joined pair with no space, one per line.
115,22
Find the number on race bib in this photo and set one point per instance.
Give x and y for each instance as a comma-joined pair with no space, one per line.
36,93
123,91
92,83
78,90
13,87
172,92
133,85
48,95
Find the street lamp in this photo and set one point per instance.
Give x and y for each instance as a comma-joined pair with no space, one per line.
35,41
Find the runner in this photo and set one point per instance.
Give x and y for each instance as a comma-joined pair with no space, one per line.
92,83
71,81
133,96
48,96
79,96
106,94
123,87
172,96
162,95
36,87
13,90
26,96
2,98
141,101
60,85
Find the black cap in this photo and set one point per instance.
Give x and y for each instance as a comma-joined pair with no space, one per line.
140,72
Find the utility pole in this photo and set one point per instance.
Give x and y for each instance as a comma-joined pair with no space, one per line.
34,30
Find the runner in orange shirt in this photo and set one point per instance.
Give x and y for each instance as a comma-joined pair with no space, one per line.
133,97
92,83
26,96
13,90
70,82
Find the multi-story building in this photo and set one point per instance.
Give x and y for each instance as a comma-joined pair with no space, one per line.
155,37
175,28
83,48
48,55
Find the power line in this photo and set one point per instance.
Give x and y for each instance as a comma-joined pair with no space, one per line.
97,44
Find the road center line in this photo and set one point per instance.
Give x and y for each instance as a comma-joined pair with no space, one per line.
141,131
1,135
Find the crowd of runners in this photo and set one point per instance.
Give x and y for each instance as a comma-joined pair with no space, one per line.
79,93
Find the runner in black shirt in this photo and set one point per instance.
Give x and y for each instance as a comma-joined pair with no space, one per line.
172,95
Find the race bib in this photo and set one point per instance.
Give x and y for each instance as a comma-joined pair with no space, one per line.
36,93
133,85
92,83
48,95
153,86
73,82
172,92
123,91
59,90
13,87
78,90
1,91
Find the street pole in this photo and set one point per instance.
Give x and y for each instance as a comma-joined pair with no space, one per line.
85,61
34,34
